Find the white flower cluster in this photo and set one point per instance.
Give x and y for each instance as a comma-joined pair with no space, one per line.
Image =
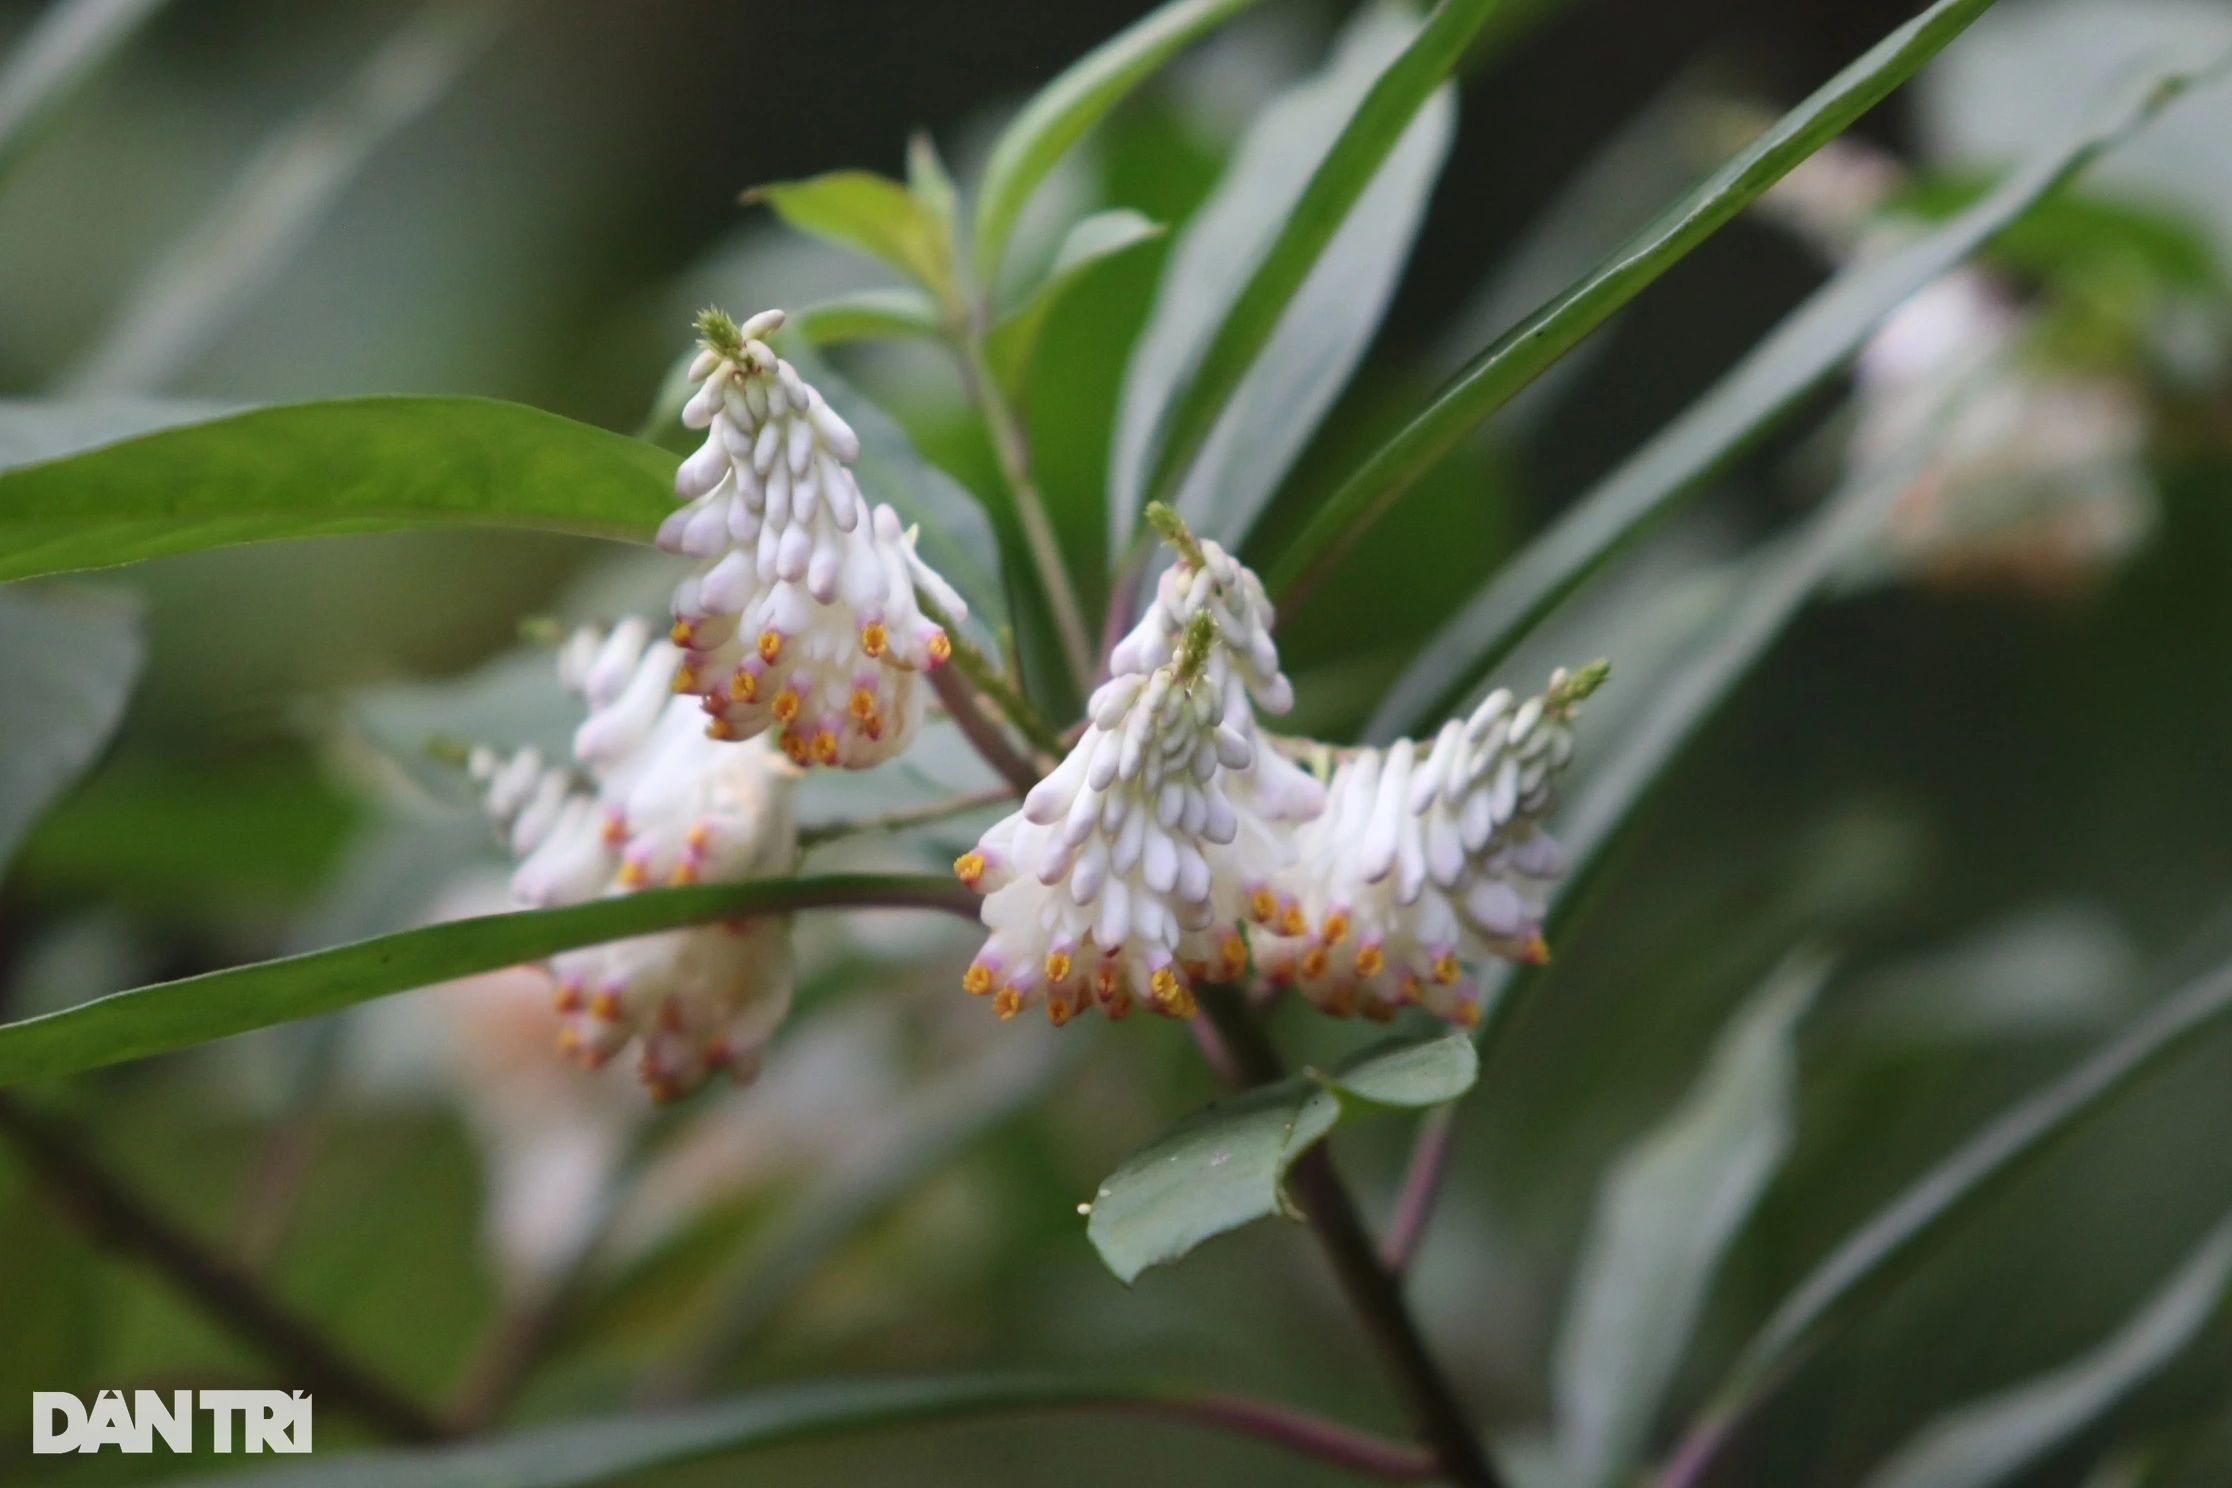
654,801
803,615
1126,872
1425,859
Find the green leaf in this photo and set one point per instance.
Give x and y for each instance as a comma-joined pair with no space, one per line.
69,43
1889,1246
318,469
874,216
1340,181
1523,352
67,664
1407,1073
1226,1166
1991,1440
176,1015
1093,241
1325,330
1666,1215
1807,347
956,536
867,315
1215,1171
1043,132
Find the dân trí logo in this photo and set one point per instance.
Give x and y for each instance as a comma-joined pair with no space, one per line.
270,1421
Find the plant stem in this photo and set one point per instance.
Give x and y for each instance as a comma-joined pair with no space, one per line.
914,816
1374,1292
1422,1186
1013,451
116,1217
992,681
961,706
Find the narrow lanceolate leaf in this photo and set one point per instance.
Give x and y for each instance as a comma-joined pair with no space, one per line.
177,1015
874,216
1989,1441
196,288
1522,354
1666,1215
318,469
1059,115
69,43
579,1454
1903,1233
1813,342
1226,1166
1093,241
67,663
868,315
1348,169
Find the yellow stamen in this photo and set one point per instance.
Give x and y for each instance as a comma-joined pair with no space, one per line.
786,705
744,687
1008,1003
720,728
825,747
633,874
1536,952
604,1007
697,837
1057,965
685,679
1235,955
941,649
1291,921
1313,962
1262,905
1057,1011
566,1000
977,980
685,872
1369,960
1336,927
770,645
1446,969
969,867
873,638
1467,1014
681,634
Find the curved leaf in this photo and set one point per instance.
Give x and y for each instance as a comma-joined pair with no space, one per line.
1523,352
1381,119
1226,1166
866,315
873,216
1991,1440
317,469
66,46
578,1454
1064,109
67,663
176,1015
1667,1213
1899,1236
1093,241
1808,346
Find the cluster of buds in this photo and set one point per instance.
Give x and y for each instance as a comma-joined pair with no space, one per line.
802,616
1426,859
650,799
1124,876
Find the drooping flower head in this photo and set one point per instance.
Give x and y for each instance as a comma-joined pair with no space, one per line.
1425,859
802,617
1124,875
652,800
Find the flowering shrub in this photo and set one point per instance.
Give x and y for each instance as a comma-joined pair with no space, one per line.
910,681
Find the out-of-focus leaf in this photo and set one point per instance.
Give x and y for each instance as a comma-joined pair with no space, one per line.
1064,109
2051,970
868,314
1226,1166
175,1015
1904,1232
872,215
70,42
1991,1440
1809,345
67,663
578,1454
1098,238
317,469
1228,236
957,537
1381,118
1666,1215
1522,353
280,196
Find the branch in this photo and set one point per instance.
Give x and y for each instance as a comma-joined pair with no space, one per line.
961,706
991,680
115,1217
899,821
1374,1292
1422,1187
